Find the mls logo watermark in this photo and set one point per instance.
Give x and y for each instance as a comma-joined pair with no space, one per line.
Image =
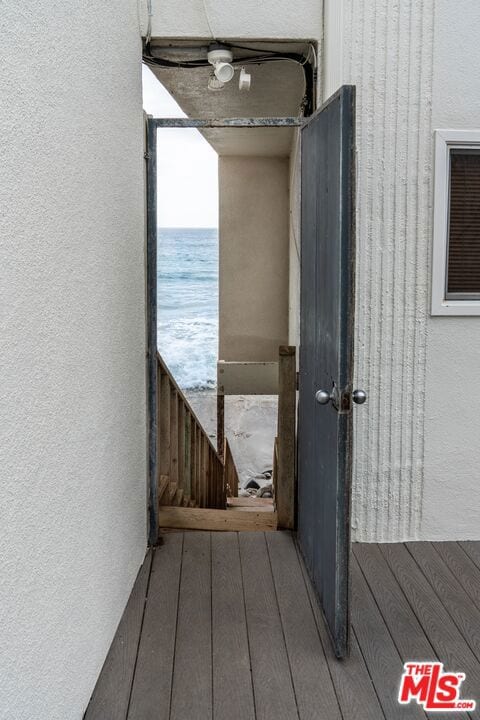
430,686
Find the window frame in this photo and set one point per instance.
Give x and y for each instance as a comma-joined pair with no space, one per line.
445,141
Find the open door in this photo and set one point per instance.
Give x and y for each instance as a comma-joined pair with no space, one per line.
326,356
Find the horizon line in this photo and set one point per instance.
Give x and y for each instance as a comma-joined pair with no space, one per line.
187,227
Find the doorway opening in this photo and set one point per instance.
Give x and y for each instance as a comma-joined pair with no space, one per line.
257,303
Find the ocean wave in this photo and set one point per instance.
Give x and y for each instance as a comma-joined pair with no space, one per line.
188,305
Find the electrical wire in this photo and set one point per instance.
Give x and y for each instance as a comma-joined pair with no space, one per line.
307,104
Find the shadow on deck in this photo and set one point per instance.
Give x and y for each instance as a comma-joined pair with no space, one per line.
225,626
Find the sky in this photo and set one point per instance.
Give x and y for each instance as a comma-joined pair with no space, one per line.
187,165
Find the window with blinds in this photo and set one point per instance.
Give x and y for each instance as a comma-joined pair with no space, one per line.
463,257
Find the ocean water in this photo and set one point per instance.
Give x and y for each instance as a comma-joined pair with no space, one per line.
188,304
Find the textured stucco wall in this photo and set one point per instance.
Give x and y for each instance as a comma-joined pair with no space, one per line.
387,53
451,506
254,250
72,396
331,69
232,19
417,440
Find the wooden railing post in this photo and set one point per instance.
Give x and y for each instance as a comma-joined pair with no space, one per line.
187,481
284,480
164,424
231,474
181,444
220,422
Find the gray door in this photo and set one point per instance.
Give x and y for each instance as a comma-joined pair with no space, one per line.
326,356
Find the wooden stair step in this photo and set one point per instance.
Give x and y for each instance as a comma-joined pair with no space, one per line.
233,520
251,502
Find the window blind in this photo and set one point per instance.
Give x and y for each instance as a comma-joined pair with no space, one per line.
463,264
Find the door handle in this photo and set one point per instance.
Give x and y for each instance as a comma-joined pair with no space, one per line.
359,397
323,397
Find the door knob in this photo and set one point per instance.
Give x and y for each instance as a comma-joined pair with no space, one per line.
359,397
323,397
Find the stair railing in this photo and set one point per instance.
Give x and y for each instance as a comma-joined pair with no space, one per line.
231,474
190,471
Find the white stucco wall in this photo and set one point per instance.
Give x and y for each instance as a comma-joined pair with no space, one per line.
254,257
269,19
387,54
417,446
331,68
72,354
451,499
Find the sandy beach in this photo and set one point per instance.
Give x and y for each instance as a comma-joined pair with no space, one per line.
250,426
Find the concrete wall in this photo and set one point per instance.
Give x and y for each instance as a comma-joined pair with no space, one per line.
72,396
451,498
230,19
254,257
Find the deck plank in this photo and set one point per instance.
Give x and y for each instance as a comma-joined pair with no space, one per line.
406,631
111,695
313,685
232,682
403,625
192,671
385,666
150,698
272,682
353,686
462,566
228,627
444,636
472,549
454,598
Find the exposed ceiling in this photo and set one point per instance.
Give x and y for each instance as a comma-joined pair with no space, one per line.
277,90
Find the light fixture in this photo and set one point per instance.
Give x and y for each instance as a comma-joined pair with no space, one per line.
221,57
224,71
245,80
214,83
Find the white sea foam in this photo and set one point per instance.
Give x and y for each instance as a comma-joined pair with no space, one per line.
188,304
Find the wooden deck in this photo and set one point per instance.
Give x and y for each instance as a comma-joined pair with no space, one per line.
225,626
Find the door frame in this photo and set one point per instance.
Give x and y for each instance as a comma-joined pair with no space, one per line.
152,125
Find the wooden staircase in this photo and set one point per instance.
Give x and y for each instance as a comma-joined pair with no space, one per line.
190,472
194,480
